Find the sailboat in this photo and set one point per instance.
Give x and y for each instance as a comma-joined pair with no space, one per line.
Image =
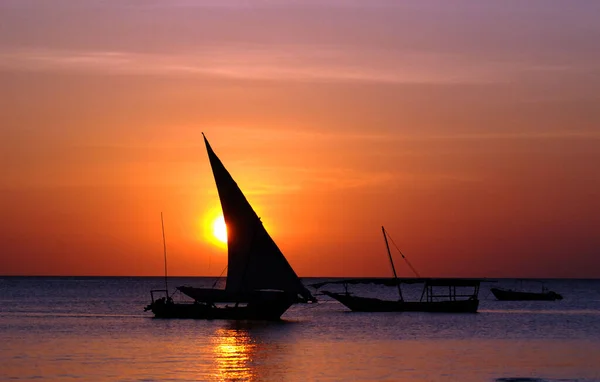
439,295
260,283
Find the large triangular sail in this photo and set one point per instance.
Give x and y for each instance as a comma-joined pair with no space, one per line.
254,260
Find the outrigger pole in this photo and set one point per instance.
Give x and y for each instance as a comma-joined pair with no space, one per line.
162,223
392,263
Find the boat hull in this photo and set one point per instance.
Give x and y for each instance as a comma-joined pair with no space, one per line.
366,304
218,304
252,311
511,295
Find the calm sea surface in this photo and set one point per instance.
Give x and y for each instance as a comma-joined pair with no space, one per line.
95,329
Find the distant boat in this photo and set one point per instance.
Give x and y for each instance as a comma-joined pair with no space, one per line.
438,295
260,283
503,294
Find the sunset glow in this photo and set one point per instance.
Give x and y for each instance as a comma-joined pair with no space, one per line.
469,130
212,229
220,229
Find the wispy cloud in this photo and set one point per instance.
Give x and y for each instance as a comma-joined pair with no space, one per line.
289,63
259,134
342,178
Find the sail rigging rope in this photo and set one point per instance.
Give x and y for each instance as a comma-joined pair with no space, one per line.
402,254
218,278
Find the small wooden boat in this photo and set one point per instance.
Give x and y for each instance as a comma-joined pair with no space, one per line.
438,295
513,295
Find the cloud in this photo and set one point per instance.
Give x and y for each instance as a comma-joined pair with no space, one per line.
305,63
525,135
219,4
262,134
347,179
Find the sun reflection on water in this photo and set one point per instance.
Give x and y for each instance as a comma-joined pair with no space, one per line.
234,350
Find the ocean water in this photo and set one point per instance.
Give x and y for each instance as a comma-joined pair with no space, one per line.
95,329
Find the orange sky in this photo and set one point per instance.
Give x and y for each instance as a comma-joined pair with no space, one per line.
471,131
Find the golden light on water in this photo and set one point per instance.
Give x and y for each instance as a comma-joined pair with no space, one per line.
233,355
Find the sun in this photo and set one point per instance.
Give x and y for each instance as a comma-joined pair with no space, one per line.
219,229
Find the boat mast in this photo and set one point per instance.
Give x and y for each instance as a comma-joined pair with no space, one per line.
404,257
162,223
392,263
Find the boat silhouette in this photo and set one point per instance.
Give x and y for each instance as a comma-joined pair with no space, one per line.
440,295
260,283
504,294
